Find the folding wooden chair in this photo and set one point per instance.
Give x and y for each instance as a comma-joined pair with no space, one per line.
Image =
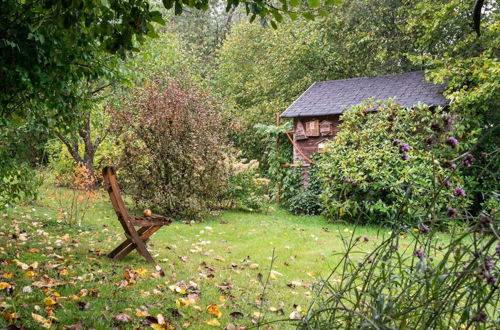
136,239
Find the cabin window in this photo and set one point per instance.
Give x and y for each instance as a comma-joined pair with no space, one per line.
312,128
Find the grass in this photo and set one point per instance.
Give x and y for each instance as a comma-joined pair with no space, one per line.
227,258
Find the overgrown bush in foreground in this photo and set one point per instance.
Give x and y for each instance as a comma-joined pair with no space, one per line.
427,284
173,149
394,162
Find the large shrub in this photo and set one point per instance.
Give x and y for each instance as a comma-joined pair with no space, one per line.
174,147
393,162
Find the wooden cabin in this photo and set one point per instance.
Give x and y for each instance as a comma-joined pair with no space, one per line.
317,113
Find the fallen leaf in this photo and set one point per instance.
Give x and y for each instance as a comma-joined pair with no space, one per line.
5,285
236,315
49,301
42,320
10,316
213,309
213,322
122,317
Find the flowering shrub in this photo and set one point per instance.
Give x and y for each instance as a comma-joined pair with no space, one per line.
247,190
392,163
174,148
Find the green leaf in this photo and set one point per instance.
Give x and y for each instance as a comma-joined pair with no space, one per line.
168,4
178,8
308,16
293,16
157,17
295,3
277,16
323,13
330,3
314,3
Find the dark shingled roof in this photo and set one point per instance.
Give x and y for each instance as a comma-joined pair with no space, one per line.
335,96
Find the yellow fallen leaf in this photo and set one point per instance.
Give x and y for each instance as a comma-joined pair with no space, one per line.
7,275
141,313
64,272
4,285
49,301
213,322
213,309
141,271
29,274
156,326
222,298
10,316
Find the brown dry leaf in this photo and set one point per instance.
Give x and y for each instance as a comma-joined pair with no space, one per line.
122,317
236,315
42,320
47,282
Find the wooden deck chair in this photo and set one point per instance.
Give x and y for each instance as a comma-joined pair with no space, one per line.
135,239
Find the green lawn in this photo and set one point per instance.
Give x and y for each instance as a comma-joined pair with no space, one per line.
223,260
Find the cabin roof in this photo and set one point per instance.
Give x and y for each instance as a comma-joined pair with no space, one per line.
336,96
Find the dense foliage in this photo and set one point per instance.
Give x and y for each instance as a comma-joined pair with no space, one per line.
385,164
174,148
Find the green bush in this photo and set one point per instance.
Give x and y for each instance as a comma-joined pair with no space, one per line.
247,190
18,182
392,163
306,200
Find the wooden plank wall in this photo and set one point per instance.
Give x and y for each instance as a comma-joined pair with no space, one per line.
309,145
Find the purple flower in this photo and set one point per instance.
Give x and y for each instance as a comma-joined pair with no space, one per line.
405,147
396,142
370,260
490,279
366,239
447,120
424,229
447,184
450,165
419,254
497,249
360,263
405,156
452,141
451,212
347,180
459,191
468,160
488,264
